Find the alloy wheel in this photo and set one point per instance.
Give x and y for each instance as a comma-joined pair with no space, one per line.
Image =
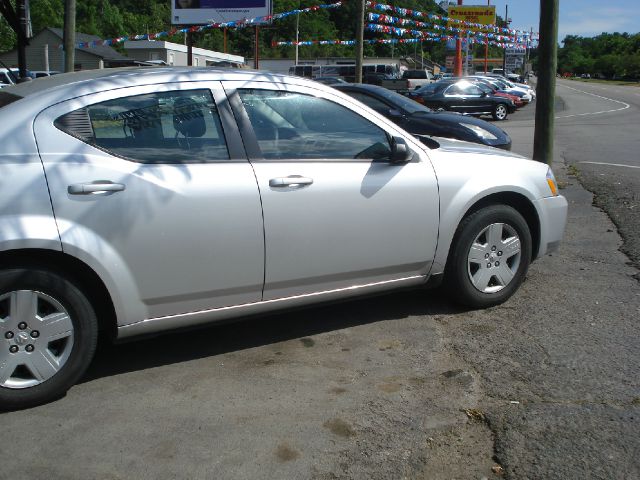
36,338
494,258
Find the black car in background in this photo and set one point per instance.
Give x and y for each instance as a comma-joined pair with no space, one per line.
420,120
464,97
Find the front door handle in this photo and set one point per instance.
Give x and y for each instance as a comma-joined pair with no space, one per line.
95,187
290,181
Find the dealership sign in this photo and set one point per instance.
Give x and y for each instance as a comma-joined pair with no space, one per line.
203,12
483,15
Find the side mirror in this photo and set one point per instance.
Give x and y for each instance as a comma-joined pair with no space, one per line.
400,151
484,94
394,112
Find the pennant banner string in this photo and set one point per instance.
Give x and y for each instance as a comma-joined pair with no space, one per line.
387,41
375,17
200,28
405,12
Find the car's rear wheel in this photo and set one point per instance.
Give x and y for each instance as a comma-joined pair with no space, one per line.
500,112
490,257
48,335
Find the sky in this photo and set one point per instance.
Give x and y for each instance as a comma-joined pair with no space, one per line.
586,18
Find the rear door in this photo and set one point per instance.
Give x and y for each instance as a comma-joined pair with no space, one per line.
152,187
476,100
455,98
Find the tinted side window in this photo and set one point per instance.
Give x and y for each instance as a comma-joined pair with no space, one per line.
166,127
296,126
471,90
454,90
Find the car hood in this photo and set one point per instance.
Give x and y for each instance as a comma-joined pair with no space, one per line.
450,145
457,118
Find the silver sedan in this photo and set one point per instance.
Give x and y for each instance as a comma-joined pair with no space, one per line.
141,200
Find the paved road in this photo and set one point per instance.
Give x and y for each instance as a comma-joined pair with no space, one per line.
597,135
402,386
600,138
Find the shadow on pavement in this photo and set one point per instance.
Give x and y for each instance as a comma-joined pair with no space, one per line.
185,345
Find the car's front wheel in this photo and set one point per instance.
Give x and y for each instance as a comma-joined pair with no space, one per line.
500,112
489,257
48,335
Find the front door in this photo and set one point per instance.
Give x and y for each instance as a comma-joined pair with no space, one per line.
337,212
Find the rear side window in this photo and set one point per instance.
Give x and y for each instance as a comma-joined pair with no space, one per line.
7,98
167,127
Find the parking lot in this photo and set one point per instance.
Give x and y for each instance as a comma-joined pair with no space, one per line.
400,386
405,385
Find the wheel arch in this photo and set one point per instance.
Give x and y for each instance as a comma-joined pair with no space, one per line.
518,202
83,276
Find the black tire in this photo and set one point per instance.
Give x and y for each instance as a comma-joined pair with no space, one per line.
78,353
500,112
461,272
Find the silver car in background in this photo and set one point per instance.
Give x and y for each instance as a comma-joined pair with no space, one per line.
140,200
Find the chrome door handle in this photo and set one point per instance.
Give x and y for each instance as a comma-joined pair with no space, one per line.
290,181
95,187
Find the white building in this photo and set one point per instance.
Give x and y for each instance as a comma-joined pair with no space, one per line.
176,54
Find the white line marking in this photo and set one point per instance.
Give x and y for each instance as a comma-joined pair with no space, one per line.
611,164
626,105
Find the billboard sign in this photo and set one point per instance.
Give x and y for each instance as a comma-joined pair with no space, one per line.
484,15
515,58
515,52
203,12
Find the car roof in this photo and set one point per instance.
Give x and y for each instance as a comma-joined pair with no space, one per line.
135,75
46,91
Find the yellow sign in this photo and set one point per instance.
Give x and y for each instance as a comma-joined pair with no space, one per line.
484,15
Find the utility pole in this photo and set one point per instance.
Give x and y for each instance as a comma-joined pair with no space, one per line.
486,45
457,71
69,36
256,51
297,35
22,45
546,88
506,22
360,41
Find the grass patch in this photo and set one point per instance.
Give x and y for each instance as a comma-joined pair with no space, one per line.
573,170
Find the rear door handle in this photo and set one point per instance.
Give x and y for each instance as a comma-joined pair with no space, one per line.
290,181
95,187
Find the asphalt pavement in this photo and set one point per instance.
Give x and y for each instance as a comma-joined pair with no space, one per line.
600,141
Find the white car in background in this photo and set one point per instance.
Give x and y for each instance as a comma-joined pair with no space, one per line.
6,78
